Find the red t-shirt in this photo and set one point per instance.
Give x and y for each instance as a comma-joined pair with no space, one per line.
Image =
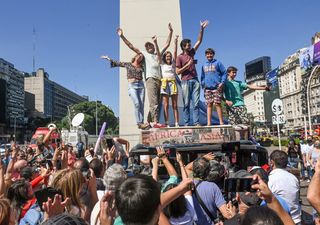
182,60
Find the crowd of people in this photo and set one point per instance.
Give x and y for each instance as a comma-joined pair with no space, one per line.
67,185
74,185
159,70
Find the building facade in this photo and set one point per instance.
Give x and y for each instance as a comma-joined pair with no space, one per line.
46,98
11,97
256,71
289,76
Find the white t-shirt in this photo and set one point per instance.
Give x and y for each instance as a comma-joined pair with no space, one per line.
152,65
189,217
286,185
168,71
308,149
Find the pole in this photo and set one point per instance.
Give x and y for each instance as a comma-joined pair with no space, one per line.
305,127
96,117
308,97
278,128
15,125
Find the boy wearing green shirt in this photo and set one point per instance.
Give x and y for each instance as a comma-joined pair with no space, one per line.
233,89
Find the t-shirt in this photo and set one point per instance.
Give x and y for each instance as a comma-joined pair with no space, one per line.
233,92
182,60
189,217
152,67
211,196
168,71
286,185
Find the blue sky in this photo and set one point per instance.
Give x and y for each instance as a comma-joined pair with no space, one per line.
71,36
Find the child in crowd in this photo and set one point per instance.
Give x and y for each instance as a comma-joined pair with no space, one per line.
213,77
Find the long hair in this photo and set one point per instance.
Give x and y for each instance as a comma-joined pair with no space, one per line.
5,211
176,208
165,55
69,181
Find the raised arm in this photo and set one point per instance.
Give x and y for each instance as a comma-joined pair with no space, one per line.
162,155
175,51
128,43
114,63
203,25
255,87
154,39
168,40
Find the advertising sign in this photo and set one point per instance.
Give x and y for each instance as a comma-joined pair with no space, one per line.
306,59
272,78
316,54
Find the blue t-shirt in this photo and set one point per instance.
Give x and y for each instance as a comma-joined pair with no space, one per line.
211,196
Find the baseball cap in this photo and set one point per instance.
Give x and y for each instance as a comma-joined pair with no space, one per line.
248,198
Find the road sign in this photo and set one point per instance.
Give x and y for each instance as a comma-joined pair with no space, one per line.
276,106
280,119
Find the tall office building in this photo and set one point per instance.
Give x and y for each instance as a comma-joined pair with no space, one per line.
155,16
46,98
11,97
256,71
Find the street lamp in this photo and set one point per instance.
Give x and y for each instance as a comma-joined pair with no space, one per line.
308,95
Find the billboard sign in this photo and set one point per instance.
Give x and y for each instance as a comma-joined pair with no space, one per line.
316,53
306,59
272,78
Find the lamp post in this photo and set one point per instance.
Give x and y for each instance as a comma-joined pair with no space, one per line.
308,95
96,117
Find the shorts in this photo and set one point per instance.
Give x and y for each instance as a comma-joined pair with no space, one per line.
238,115
170,87
213,96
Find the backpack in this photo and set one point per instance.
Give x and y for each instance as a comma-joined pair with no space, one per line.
34,216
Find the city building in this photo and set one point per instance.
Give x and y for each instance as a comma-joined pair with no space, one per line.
255,73
132,13
11,98
289,77
46,98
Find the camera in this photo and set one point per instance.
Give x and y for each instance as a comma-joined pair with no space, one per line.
238,185
110,142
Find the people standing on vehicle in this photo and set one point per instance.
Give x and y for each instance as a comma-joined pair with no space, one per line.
233,89
153,75
285,184
213,77
136,88
169,86
186,66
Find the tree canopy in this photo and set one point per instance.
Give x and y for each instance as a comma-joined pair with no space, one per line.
89,109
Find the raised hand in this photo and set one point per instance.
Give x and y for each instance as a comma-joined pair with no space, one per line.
105,57
155,161
120,32
204,24
176,38
107,209
179,158
262,188
154,39
56,207
209,156
170,27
